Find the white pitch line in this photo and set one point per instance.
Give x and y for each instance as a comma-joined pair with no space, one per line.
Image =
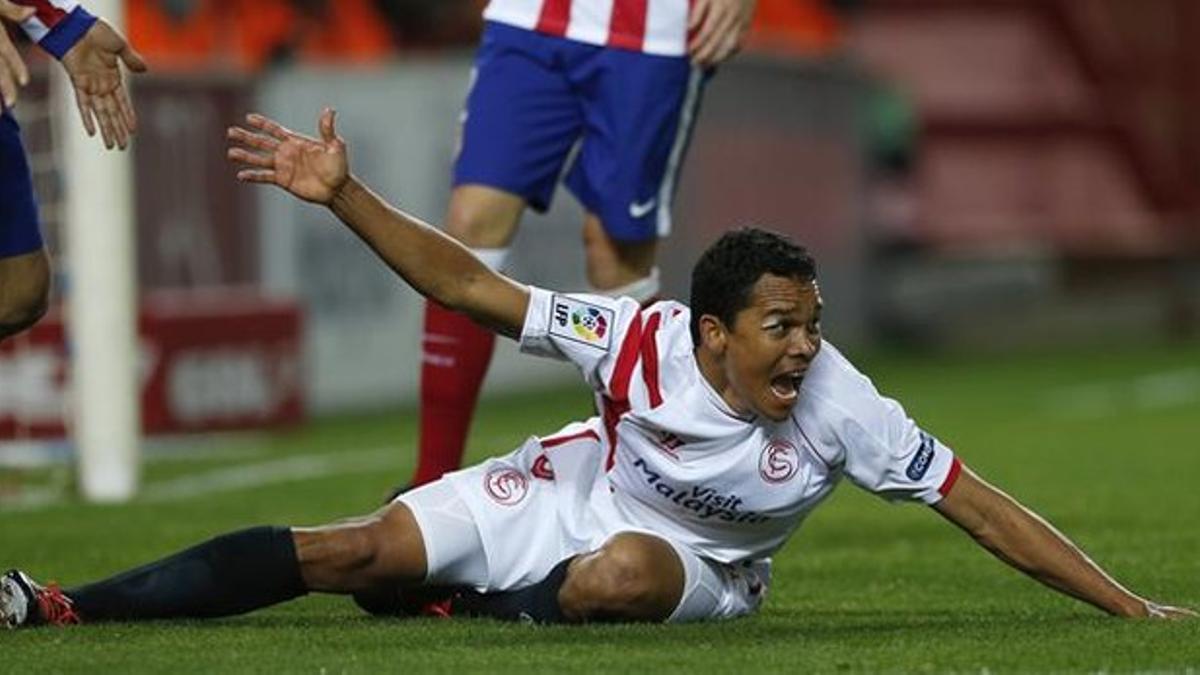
1175,388
234,478
32,500
43,454
286,470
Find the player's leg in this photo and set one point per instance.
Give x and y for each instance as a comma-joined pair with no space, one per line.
24,268
455,557
639,114
455,350
384,548
520,121
235,573
619,268
24,291
634,576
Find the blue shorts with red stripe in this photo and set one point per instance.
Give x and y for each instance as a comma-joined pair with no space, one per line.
535,97
19,233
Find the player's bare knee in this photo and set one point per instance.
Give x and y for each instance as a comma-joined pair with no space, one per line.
482,217
25,295
611,263
350,555
21,314
632,577
346,547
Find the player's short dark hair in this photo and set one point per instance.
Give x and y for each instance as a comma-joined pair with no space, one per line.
726,273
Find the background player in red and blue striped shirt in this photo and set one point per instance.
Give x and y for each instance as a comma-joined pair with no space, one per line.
89,50
620,80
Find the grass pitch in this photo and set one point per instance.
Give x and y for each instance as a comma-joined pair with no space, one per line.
1104,444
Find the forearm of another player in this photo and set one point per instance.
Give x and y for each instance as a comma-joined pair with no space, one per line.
433,263
1024,540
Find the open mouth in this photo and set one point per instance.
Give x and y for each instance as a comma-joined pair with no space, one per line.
787,385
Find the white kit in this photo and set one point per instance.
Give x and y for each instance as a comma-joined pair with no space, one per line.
667,456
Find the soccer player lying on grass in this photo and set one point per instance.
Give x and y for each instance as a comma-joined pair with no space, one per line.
723,426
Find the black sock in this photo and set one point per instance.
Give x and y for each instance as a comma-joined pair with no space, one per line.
537,603
231,574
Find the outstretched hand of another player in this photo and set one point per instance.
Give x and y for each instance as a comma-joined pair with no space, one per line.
312,169
94,65
716,28
13,73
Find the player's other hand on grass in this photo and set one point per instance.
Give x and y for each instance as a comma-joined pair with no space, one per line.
716,28
312,169
94,65
13,73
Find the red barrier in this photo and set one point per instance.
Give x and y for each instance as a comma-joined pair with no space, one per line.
209,360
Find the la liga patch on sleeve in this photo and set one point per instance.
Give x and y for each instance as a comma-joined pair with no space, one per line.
581,322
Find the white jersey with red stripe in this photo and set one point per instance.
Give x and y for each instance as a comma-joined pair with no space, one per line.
679,462
650,26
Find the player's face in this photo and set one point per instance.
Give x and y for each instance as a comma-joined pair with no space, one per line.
770,346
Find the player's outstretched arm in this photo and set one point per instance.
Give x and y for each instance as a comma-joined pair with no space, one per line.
717,27
13,73
94,65
317,170
1024,540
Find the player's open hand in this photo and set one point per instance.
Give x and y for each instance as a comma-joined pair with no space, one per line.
312,169
94,64
13,73
1157,611
716,28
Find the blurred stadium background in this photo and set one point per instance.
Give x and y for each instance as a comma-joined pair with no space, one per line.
977,177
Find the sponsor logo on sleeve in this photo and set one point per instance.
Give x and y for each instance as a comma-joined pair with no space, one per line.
779,461
922,460
505,485
581,322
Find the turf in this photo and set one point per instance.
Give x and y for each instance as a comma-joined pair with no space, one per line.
1102,443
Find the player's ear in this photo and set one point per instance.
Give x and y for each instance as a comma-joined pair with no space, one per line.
713,336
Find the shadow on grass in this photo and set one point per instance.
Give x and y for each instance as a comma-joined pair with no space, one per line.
785,624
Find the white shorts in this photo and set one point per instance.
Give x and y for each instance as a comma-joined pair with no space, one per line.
505,523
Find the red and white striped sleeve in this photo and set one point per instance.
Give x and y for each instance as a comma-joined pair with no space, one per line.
613,341
56,24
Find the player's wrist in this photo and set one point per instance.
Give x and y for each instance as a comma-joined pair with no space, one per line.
1134,607
344,194
62,40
